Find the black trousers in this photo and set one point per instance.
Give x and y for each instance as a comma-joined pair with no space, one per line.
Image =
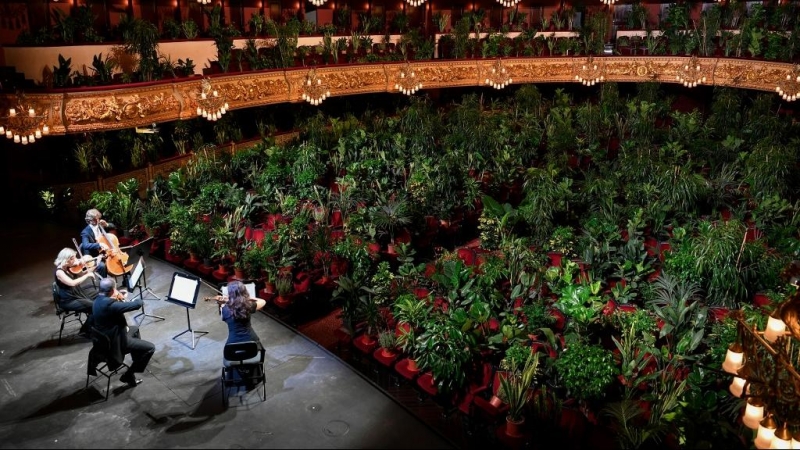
141,351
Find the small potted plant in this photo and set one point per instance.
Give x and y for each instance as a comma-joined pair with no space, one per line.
515,389
387,341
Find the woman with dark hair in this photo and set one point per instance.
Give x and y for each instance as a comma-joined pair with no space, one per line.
236,309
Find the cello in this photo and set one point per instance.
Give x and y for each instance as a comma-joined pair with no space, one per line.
116,259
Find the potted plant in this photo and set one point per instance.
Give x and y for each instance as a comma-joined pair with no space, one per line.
515,389
392,214
387,341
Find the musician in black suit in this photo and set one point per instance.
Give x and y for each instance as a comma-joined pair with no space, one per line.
109,319
90,236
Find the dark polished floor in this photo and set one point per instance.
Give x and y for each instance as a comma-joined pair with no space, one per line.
314,399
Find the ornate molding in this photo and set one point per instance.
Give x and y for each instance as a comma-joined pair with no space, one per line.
127,106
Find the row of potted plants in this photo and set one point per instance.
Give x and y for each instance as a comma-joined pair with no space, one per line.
759,32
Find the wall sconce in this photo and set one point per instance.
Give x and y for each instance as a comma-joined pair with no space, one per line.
210,104
691,74
407,82
590,73
23,124
497,77
789,88
314,91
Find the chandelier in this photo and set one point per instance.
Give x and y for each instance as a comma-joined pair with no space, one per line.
691,74
508,3
498,78
204,2
763,367
23,124
609,2
789,88
210,104
407,82
415,3
590,73
314,91
318,2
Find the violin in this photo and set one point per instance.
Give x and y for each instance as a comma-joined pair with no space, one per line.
116,259
219,299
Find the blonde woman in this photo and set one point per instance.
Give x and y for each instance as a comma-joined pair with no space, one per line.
75,283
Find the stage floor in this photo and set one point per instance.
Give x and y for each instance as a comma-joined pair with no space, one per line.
314,400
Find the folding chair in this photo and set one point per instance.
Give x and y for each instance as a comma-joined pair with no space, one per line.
243,366
64,316
99,360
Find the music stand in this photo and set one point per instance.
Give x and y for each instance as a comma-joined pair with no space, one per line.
139,274
183,292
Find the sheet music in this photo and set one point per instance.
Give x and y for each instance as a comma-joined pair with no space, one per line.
135,275
184,290
251,289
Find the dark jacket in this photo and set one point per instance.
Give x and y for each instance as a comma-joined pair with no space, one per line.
89,244
109,320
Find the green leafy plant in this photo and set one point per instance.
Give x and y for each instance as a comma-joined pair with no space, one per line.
515,386
585,370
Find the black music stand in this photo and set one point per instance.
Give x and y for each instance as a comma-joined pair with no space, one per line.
183,292
138,279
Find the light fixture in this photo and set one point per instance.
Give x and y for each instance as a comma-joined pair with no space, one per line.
210,104
766,432
23,124
415,2
498,78
609,2
318,2
508,3
407,81
753,413
204,2
314,90
691,74
764,367
782,438
590,73
789,88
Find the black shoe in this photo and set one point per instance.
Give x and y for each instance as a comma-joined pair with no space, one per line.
130,379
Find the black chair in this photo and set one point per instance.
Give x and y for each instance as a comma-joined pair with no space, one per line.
243,366
64,316
100,364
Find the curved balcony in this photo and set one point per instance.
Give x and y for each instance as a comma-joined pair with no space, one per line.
140,104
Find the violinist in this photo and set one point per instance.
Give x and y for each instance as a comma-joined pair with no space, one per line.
76,289
109,319
236,309
90,237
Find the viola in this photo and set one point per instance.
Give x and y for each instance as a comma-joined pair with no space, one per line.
84,261
116,259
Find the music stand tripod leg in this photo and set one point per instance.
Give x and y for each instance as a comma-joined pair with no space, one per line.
141,283
190,330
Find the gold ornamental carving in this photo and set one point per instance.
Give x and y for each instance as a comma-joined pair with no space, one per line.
126,106
98,111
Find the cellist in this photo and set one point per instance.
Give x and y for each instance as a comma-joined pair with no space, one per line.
90,237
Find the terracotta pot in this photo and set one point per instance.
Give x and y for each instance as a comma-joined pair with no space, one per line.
412,365
514,428
388,353
495,401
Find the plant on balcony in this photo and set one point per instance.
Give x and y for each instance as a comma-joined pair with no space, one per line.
140,38
189,28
